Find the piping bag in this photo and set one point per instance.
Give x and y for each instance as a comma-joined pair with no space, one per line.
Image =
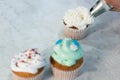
99,8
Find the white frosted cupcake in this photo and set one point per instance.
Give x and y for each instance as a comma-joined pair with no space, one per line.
76,22
28,65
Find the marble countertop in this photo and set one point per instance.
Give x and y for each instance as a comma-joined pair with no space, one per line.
38,23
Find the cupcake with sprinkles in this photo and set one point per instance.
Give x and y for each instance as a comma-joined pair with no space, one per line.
67,59
76,22
28,65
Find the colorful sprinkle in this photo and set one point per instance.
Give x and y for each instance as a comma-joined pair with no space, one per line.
29,57
33,49
17,64
22,61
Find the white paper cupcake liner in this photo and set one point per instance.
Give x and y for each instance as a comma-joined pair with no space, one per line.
66,75
37,77
75,34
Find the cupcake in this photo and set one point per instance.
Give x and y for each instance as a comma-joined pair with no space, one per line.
76,22
28,65
67,59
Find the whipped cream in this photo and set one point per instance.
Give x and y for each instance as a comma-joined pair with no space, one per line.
28,61
79,17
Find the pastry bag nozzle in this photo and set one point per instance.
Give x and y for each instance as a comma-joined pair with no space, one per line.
100,7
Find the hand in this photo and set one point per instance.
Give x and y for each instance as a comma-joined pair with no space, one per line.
115,4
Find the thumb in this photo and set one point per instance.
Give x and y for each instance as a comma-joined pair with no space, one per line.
115,9
115,4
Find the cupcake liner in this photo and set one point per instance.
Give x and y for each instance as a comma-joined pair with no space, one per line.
75,34
37,77
66,75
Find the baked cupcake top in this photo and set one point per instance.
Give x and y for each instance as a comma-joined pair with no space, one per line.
28,61
78,18
67,51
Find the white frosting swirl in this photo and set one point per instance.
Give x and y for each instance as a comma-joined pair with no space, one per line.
79,17
28,61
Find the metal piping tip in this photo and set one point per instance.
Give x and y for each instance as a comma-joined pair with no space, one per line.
100,7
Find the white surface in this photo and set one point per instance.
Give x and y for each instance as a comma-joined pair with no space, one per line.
38,23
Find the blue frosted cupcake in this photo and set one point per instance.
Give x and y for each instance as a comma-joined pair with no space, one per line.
67,59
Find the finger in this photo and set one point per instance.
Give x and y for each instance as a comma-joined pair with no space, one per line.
114,3
115,9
